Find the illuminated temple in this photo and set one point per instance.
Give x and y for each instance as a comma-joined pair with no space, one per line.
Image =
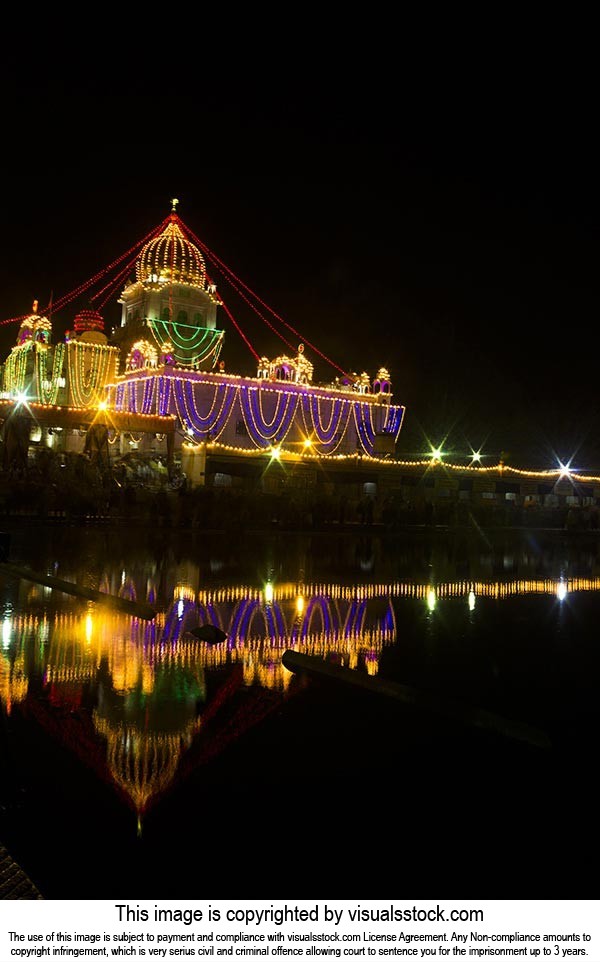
158,384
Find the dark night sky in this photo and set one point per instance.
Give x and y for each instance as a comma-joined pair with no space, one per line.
444,226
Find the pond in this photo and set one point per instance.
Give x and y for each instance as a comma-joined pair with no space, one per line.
140,761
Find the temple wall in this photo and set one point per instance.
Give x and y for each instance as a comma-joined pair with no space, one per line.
250,414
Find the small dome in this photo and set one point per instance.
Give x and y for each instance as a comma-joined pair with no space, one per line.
171,257
88,320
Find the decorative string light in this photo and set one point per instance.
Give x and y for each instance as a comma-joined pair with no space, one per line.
229,273
48,386
215,420
314,422
171,257
193,350
87,365
364,425
259,427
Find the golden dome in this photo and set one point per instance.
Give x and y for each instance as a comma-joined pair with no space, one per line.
171,257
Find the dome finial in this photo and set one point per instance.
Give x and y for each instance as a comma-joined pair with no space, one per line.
174,203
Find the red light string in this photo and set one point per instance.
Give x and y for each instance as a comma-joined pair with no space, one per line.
67,298
14,320
238,329
114,284
219,263
256,311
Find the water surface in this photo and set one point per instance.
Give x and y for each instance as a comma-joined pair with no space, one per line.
141,762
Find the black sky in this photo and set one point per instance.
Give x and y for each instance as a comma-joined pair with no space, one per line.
394,213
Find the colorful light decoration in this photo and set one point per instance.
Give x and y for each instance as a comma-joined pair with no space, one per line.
142,354
164,257
168,255
191,345
364,425
15,374
329,434
88,320
88,366
215,420
48,385
171,257
261,429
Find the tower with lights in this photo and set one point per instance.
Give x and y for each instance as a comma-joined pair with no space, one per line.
169,312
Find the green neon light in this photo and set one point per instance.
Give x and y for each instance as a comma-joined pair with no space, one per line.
188,350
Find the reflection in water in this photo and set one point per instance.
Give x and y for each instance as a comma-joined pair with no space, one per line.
145,683
142,703
149,688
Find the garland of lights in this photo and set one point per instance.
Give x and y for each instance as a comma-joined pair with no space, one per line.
261,431
222,268
87,387
149,388
364,425
212,423
47,387
15,368
130,397
325,417
190,350
159,262
165,390
336,426
393,421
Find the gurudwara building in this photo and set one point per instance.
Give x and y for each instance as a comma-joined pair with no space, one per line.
157,383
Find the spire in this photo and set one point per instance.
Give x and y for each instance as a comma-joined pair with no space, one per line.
174,202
